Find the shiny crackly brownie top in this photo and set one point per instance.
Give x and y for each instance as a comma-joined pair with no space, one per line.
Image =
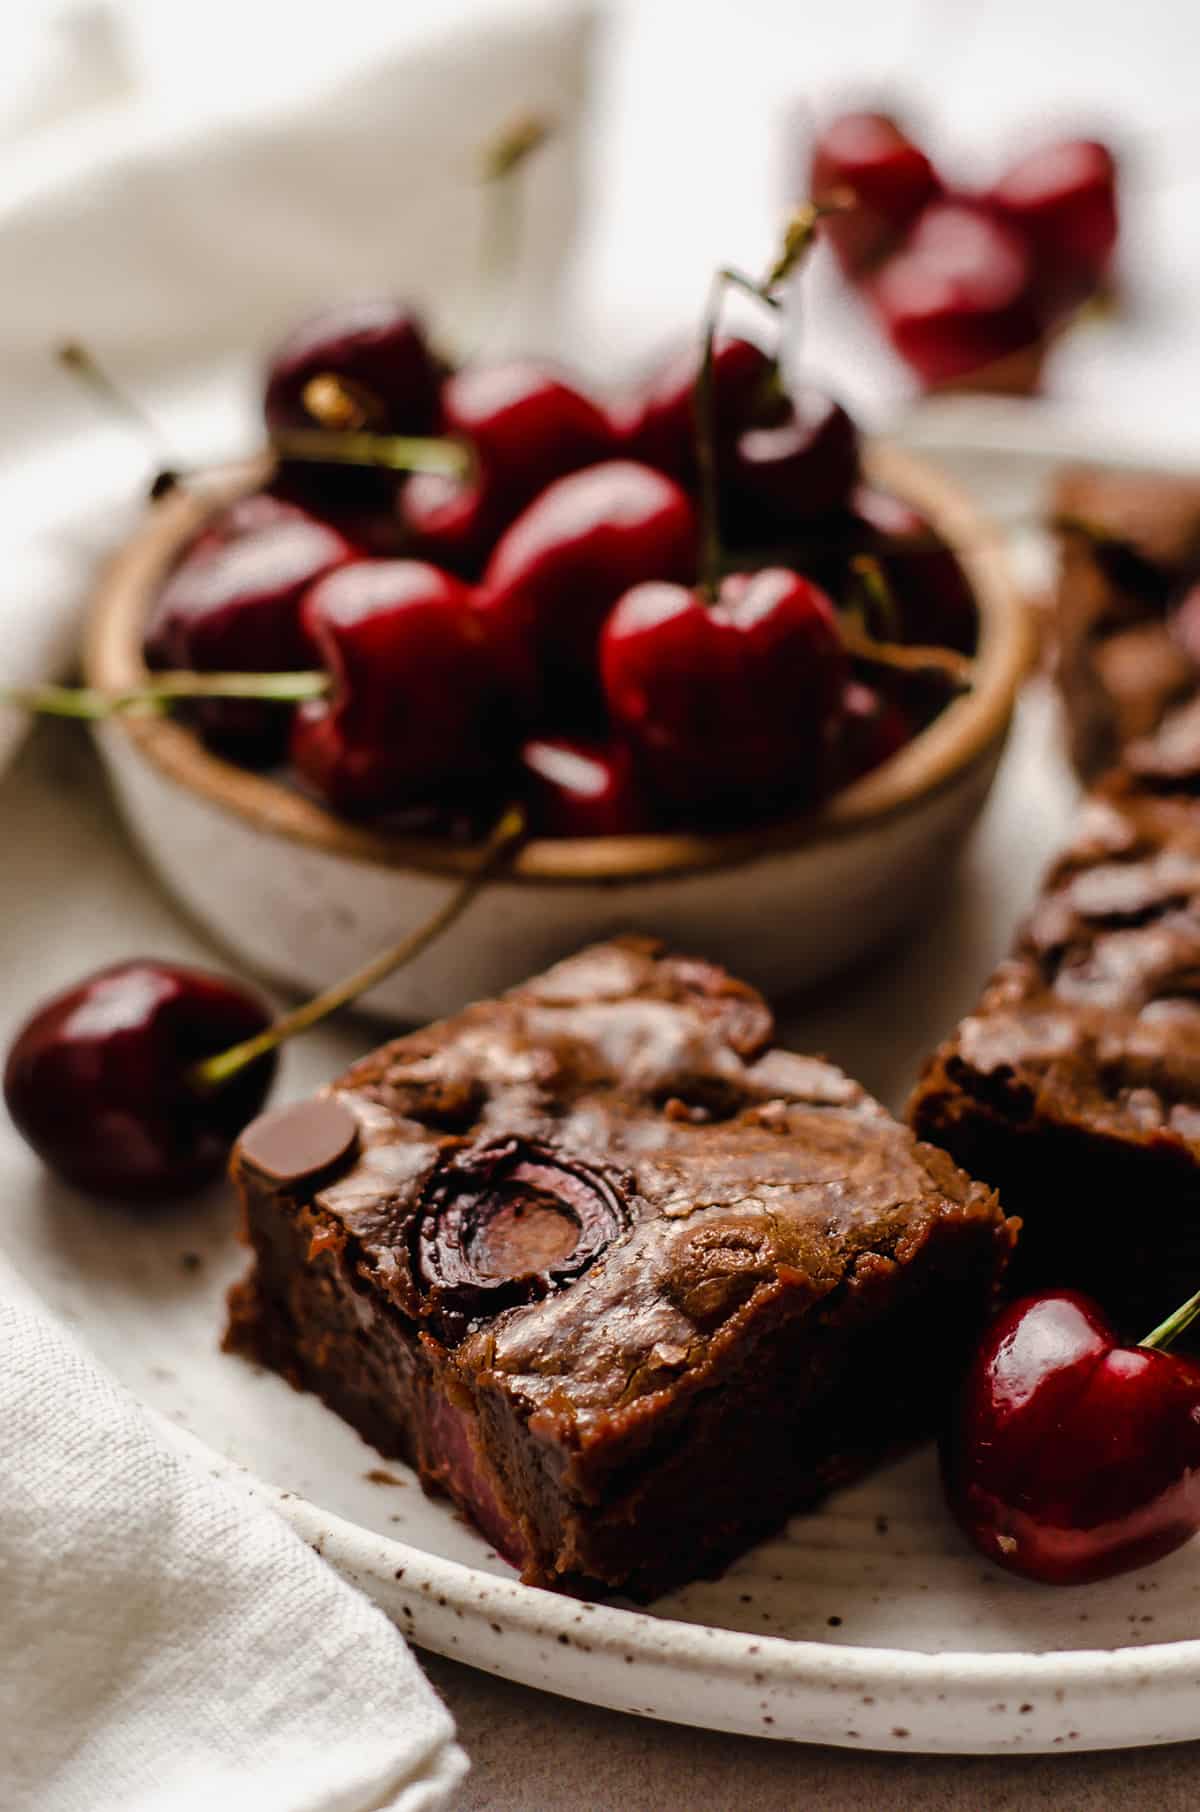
1097,1015
1128,643
586,1180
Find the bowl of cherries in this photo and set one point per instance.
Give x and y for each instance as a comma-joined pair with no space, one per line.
745,678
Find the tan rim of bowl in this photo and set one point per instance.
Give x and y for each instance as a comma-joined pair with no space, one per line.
967,731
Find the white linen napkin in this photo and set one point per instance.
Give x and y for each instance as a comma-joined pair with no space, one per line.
237,172
168,1645
176,191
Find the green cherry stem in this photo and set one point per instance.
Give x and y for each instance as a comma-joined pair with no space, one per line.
502,164
1174,1325
392,452
501,846
797,239
164,690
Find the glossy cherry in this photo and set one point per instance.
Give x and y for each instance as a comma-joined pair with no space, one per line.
959,295
557,572
526,426
931,592
416,708
1063,198
793,471
866,159
657,425
1074,1457
233,605
574,787
727,701
97,1080
245,516
377,347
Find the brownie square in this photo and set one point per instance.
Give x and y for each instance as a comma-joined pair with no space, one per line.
1129,548
1074,1086
624,1280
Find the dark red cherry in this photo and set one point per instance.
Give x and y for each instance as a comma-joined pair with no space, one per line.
959,295
792,471
234,607
507,1222
578,788
728,702
415,708
867,158
1063,198
97,1080
385,379
559,569
657,425
931,592
377,347
1073,1457
244,516
526,426
871,729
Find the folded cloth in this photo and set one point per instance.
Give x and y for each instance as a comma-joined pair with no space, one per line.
168,1644
180,231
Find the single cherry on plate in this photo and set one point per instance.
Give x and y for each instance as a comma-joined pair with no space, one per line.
96,1080
556,573
416,708
960,296
1073,1457
867,161
657,424
233,605
1063,198
136,1082
728,699
575,787
526,426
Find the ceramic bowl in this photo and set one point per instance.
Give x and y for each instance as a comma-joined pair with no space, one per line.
302,897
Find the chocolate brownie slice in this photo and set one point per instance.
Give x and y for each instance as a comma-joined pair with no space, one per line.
1074,1087
1129,550
626,1281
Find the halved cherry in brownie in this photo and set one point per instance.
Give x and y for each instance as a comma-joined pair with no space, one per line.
507,1222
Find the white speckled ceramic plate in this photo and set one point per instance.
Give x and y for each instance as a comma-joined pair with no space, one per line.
868,1623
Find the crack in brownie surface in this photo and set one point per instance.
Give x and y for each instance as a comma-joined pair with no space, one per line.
1126,643
1074,1086
626,1280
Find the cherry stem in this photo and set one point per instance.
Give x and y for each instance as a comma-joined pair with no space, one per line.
502,162
797,239
393,452
163,690
82,364
711,557
501,845
1174,1325
908,657
878,598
